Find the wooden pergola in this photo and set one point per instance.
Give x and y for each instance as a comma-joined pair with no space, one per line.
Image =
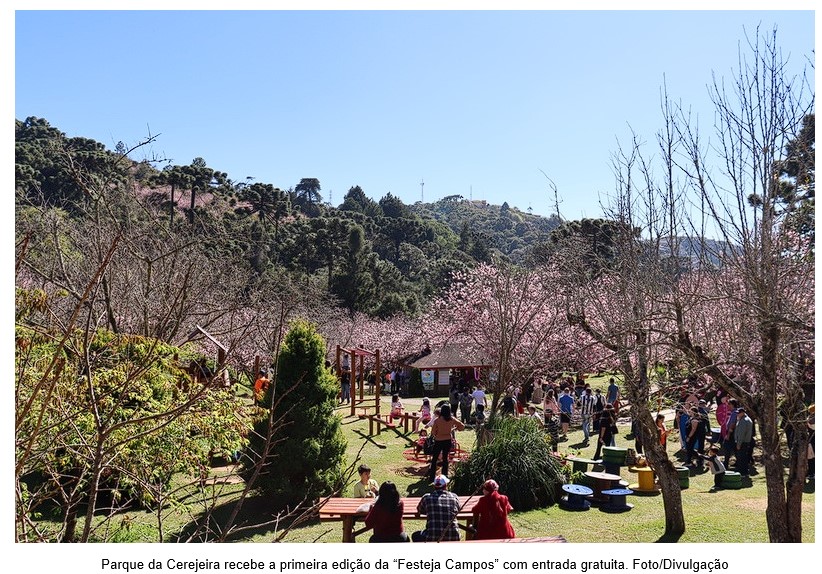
358,376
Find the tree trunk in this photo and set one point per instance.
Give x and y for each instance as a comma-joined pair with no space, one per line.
776,512
71,497
665,471
94,486
797,471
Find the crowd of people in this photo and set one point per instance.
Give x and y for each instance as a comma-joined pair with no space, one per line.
562,402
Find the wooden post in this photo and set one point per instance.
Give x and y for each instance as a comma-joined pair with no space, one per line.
352,390
338,367
378,386
361,381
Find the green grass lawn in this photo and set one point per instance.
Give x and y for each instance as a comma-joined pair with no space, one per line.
723,516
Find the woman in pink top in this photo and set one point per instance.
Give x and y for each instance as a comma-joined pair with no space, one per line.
425,411
549,404
723,411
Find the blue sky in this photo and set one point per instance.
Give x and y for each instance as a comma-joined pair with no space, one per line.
471,103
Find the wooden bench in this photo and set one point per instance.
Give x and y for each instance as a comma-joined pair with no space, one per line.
347,510
409,421
380,421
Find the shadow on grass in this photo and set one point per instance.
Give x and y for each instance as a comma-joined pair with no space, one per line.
349,421
413,470
257,517
422,486
369,438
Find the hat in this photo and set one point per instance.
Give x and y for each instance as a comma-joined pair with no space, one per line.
703,402
490,485
441,481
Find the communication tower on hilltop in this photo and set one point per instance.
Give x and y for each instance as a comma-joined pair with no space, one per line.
422,194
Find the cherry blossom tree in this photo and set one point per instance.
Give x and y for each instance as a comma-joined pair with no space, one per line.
766,277
513,315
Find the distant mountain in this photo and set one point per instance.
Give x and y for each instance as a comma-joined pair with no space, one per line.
696,250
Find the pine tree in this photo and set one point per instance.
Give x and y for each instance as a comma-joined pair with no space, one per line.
305,461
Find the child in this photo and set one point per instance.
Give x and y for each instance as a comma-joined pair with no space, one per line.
663,432
425,411
466,402
396,407
366,487
261,385
716,466
532,413
420,444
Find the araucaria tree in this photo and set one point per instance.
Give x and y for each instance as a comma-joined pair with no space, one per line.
301,447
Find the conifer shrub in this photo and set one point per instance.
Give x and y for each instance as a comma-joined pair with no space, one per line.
308,446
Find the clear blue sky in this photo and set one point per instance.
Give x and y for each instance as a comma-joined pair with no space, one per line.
470,102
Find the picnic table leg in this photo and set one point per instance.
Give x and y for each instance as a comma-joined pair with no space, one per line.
348,529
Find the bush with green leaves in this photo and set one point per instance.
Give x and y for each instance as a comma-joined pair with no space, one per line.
308,446
520,459
100,411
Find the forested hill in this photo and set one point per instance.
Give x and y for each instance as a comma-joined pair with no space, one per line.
505,229
381,257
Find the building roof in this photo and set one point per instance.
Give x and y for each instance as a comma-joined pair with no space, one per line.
449,356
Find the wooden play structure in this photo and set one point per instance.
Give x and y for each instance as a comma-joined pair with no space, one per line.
352,361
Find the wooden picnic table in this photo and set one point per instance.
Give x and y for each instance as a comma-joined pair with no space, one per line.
348,510
602,481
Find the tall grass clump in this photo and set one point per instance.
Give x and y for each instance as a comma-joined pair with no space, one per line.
520,459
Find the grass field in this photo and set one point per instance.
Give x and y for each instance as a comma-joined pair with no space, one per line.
723,516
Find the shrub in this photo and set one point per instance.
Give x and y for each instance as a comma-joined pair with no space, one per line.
309,445
520,459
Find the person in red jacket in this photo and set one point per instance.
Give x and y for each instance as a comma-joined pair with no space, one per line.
491,514
261,385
